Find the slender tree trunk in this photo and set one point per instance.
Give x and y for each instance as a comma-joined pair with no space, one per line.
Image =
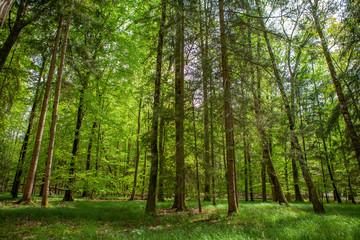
342,101
88,157
196,162
33,164
212,146
19,169
314,198
144,175
151,200
68,196
137,151
346,162
161,160
45,188
246,174
179,201
323,178
230,146
205,77
5,7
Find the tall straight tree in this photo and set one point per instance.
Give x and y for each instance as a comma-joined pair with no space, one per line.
179,201
342,101
151,200
314,198
229,129
45,194
26,198
204,49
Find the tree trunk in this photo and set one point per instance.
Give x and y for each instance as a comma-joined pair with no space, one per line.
205,77
230,146
179,201
196,162
23,151
33,164
137,151
88,157
68,196
212,146
161,160
151,200
342,101
317,205
5,7
45,188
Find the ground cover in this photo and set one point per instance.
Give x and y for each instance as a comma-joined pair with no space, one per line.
121,219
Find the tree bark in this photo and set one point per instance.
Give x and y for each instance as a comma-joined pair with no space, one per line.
196,162
317,205
26,198
151,200
68,196
230,146
5,7
179,201
342,101
161,160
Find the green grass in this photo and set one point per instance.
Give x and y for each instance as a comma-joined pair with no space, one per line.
126,220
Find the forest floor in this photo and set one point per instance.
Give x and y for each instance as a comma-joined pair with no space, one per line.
94,219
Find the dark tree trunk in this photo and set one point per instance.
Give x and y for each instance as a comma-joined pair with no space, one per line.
212,146
75,151
205,79
196,162
179,201
230,145
161,160
151,200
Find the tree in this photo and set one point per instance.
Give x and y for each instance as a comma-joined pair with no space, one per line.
26,198
230,146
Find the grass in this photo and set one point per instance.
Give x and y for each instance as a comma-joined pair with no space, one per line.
126,220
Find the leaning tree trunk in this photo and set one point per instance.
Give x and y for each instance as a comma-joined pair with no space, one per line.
132,197
23,151
179,201
230,146
26,198
46,185
342,101
151,201
314,198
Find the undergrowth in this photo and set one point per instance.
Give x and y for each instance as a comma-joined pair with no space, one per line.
120,219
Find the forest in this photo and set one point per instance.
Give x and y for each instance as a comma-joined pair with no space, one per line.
175,119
